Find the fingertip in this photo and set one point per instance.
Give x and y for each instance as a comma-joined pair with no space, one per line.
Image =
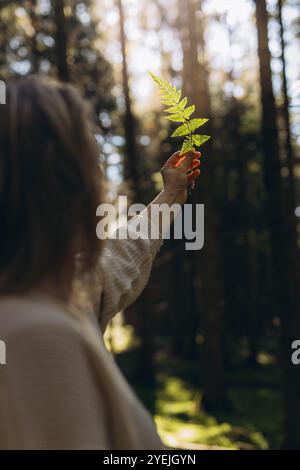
193,176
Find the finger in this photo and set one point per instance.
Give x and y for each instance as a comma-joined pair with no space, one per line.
193,176
195,164
182,159
179,161
186,160
173,160
183,156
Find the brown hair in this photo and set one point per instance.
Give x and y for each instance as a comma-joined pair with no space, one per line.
50,184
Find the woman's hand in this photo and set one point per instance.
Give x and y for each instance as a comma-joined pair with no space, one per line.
178,173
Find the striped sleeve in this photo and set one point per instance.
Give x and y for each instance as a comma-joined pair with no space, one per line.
125,264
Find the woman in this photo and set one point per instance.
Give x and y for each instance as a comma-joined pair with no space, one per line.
60,388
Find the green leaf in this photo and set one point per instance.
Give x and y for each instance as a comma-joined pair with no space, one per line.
176,118
189,111
186,147
180,131
200,139
182,104
177,96
177,107
155,78
173,109
196,123
167,101
178,112
162,84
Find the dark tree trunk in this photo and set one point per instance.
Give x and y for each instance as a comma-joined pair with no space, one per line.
34,49
206,262
132,166
61,40
285,112
286,280
145,365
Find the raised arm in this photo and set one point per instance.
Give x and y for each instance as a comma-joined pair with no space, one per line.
125,264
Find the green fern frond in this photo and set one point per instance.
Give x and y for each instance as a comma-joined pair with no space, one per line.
171,97
196,123
200,139
176,118
181,130
189,111
186,146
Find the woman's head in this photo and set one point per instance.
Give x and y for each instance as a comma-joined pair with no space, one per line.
50,184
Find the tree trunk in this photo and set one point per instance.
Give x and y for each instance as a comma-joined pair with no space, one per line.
132,166
286,116
286,279
206,262
34,49
145,363
61,40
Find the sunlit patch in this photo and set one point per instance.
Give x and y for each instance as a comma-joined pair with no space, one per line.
119,337
183,424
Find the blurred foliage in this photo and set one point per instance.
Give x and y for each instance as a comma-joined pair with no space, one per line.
254,420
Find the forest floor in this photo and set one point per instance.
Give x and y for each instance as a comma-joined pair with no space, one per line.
251,421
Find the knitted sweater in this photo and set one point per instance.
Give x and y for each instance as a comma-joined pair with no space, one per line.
60,388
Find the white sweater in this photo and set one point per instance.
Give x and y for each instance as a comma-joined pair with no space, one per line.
60,388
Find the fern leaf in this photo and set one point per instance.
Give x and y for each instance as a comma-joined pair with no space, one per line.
182,104
196,123
172,110
159,82
181,130
176,118
179,107
174,91
200,139
186,147
178,112
189,111
167,100
177,96
155,78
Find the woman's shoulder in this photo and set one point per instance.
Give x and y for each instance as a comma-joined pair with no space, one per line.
43,341
48,382
25,315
